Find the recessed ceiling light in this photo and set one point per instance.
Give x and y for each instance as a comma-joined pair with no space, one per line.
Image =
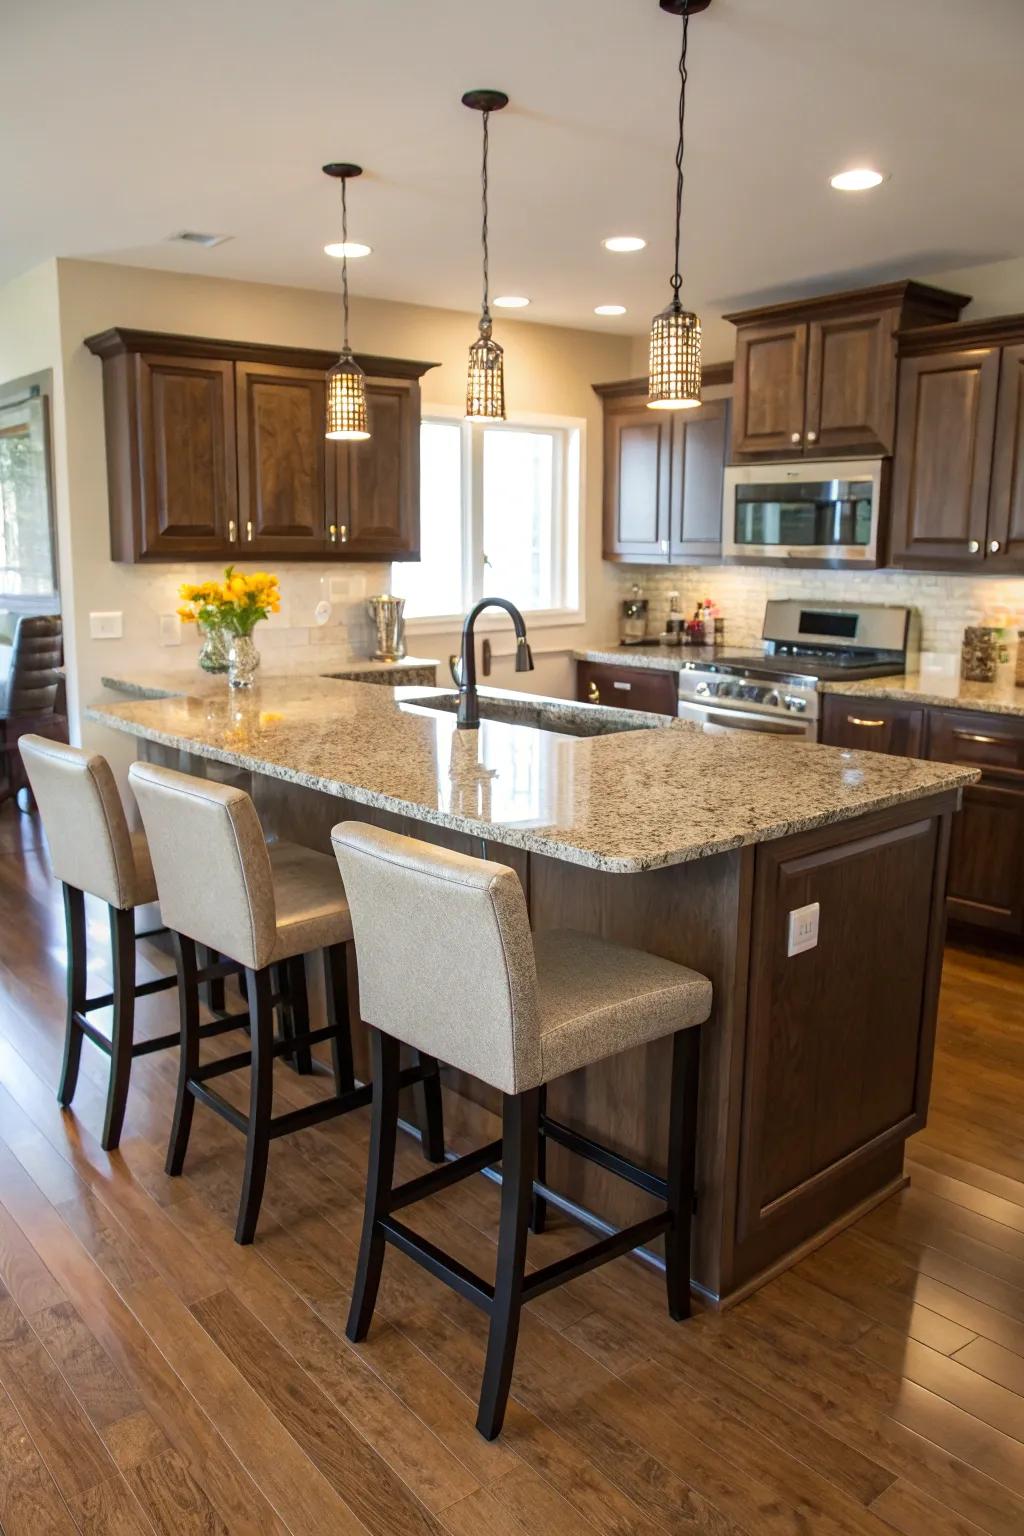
349,248
195,237
860,178
624,243
609,309
511,301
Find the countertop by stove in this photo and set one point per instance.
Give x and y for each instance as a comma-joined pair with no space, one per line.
941,689
639,799
660,658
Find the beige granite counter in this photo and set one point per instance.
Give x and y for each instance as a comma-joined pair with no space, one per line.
626,802
941,689
658,658
194,683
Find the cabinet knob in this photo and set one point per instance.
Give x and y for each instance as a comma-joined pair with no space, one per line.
794,437
812,437
973,547
232,531
333,531
593,694
993,547
248,532
664,546
343,533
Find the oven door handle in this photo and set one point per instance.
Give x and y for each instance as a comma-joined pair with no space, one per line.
748,720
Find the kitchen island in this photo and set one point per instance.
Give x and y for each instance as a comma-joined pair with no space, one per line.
815,1065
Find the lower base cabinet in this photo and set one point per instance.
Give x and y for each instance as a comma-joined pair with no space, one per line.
985,886
625,687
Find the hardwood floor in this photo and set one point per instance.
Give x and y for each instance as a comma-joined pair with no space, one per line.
154,1377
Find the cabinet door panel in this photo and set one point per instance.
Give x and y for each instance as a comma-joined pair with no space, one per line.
993,743
377,513
698,470
851,368
1006,506
943,458
873,725
187,455
627,687
769,384
282,465
638,452
986,860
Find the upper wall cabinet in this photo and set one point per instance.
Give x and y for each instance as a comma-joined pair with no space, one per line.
958,475
817,378
663,474
215,450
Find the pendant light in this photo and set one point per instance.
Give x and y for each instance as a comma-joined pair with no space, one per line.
485,382
346,382
675,371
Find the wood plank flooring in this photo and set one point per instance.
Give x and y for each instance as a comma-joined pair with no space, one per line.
155,1378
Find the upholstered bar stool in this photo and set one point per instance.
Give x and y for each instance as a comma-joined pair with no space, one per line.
93,853
264,908
447,964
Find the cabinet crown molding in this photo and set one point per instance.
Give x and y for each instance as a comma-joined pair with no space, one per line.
120,339
713,374
996,330
943,304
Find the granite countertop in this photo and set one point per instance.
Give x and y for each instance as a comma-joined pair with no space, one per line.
659,658
939,688
197,684
640,799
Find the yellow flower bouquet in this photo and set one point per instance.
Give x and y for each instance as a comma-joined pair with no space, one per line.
229,610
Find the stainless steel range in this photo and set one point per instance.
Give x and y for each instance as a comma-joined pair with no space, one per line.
805,643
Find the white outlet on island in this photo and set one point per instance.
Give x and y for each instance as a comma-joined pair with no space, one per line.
803,928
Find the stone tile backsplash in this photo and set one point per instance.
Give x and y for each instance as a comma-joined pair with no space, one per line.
946,603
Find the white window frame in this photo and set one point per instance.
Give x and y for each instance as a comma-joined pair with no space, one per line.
569,555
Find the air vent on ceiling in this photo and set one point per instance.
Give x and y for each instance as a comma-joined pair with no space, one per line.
196,237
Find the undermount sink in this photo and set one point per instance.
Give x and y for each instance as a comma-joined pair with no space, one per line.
563,719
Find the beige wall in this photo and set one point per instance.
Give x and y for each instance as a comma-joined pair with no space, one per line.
548,371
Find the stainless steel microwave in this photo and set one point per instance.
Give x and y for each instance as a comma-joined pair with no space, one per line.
821,513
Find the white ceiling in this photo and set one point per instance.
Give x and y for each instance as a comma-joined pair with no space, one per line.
124,120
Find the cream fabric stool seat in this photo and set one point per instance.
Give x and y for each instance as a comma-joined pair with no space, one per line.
448,965
266,909
92,852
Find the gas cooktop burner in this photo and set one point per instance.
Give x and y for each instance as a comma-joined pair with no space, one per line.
821,666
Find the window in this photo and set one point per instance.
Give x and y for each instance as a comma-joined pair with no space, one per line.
500,515
26,532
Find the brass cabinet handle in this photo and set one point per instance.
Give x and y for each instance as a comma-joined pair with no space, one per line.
248,532
983,741
812,437
343,533
333,531
993,548
593,694
856,720
794,437
232,530
973,547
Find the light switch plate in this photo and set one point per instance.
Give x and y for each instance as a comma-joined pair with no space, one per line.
170,629
106,626
803,928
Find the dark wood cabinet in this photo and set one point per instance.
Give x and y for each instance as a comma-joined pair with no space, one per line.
283,462
626,687
1006,493
817,378
873,725
663,473
986,859
376,513
215,451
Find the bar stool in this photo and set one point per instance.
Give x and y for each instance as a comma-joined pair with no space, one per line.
93,853
448,964
263,907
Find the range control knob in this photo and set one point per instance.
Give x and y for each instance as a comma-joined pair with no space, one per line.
772,700
729,689
702,690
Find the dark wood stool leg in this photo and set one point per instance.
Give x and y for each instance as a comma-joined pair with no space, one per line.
336,988
296,1009
74,924
682,1156
379,1178
261,1100
518,1160
213,991
430,1108
188,1057
539,1208
122,1037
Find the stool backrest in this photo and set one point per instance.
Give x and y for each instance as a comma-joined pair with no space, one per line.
83,818
38,650
444,951
210,860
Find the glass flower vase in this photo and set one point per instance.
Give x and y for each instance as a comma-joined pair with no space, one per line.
243,660
213,653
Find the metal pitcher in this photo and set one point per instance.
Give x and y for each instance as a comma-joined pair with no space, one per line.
389,626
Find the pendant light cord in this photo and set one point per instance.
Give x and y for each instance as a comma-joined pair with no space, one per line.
485,314
676,277
344,258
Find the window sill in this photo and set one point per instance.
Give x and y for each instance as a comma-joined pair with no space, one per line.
494,620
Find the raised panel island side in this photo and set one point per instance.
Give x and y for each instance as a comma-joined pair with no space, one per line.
815,1065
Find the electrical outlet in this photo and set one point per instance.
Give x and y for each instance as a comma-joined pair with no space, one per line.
803,928
170,629
106,626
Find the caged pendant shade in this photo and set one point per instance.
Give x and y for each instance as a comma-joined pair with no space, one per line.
346,382
485,379
674,381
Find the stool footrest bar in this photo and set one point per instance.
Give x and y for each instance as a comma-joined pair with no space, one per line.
598,1253
444,1177
595,1153
220,1106
314,1114
439,1264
